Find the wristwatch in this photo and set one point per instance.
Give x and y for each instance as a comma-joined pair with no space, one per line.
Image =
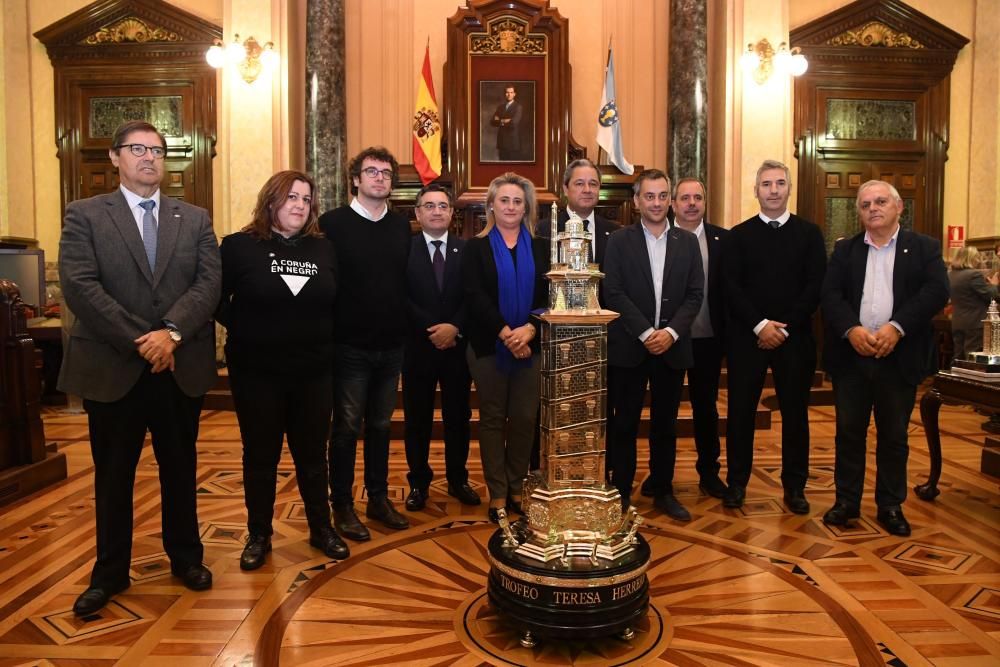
173,332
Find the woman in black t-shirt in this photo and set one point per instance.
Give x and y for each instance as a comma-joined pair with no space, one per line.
278,288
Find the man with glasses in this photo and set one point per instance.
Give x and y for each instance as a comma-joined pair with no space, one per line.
140,272
655,281
435,352
372,245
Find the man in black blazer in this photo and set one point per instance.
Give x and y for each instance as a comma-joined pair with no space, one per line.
507,120
435,351
772,274
707,333
141,272
882,288
582,185
654,280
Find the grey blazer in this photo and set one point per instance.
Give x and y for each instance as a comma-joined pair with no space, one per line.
109,287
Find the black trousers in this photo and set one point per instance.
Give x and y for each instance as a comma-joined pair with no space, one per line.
703,392
117,432
872,384
423,368
627,392
267,409
793,364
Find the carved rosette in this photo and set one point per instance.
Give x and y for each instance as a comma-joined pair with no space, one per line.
131,29
506,35
875,33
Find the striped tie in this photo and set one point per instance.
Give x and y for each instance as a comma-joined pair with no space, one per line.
149,231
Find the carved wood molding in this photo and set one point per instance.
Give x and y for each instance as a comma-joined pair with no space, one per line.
507,35
875,33
113,28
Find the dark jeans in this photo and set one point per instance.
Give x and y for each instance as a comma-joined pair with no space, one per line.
423,368
872,384
626,393
117,432
364,391
792,364
267,408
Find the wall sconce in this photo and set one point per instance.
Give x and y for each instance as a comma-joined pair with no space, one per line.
761,60
249,56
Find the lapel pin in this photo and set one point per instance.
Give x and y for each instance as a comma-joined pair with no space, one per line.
716,238
454,249
270,254
177,215
906,250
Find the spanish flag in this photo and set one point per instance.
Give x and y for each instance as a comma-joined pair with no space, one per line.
426,126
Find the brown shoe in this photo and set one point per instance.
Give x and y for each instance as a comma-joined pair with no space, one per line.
381,510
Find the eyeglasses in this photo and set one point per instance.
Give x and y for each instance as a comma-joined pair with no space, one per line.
430,206
139,150
373,172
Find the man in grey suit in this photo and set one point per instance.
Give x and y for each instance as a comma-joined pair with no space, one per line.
654,279
141,273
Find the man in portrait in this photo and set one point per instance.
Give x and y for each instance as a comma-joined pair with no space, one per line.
141,272
507,120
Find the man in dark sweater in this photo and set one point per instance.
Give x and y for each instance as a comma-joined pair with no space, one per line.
773,273
372,245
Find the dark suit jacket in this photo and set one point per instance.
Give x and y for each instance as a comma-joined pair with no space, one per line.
716,236
628,289
509,134
970,296
482,292
603,229
109,287
428,305
919,291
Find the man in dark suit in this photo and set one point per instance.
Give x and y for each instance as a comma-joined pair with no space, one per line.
141,273
507,120
882,288
654,279
582,185
435,352
707,333
772,274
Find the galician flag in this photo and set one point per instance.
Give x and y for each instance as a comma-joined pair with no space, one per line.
609,132
426,126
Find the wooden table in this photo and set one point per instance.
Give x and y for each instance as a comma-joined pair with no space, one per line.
953,389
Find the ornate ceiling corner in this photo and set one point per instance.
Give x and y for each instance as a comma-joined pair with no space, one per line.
131,29
508,36
875,33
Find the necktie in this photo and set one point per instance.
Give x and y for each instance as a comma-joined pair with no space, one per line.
149,232
774,224
437,261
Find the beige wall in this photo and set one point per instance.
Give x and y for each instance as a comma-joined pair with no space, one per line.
260,125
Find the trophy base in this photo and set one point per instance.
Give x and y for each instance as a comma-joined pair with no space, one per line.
560,600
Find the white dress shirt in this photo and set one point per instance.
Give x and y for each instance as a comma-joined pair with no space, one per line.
137,211
363,212
657,249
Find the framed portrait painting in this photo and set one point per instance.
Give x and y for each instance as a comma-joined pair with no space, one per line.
507,121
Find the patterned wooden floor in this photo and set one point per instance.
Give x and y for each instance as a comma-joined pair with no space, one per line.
757,586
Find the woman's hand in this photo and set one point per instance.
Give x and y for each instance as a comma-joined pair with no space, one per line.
518,340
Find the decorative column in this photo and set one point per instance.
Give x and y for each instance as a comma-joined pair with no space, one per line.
326,113
688,88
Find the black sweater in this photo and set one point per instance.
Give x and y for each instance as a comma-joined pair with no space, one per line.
774,274
272,329
370,311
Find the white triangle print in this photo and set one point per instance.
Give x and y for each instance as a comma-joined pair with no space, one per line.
295,283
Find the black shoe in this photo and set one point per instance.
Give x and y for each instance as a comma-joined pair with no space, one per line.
381,510
712,486
626,503
328,541
465,494
796,501
670,506
416,500
840,514
514,506
892,520
196,577
254,552
347,523
94,599
734,496
648,488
